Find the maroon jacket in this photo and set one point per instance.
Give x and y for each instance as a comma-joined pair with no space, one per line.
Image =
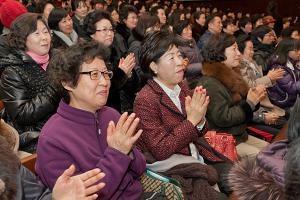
166,130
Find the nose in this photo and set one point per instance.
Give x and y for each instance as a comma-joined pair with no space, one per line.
103,82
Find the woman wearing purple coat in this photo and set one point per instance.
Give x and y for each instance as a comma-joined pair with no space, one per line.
286,90
86,133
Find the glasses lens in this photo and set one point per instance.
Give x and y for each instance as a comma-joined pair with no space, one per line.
108,75
95,75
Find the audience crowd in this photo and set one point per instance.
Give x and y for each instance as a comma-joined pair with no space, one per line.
104,91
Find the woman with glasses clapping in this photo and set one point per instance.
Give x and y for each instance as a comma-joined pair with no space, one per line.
86,133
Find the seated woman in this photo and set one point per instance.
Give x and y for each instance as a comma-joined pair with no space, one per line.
17,182
268,114
231,101
173,123
84,131
286,56
145,25
28,97
61,24
188,49
98,27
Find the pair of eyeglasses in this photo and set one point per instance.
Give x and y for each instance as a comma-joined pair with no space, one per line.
106,30
96,74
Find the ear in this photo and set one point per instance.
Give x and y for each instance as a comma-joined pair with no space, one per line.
259,39
68,86
153,66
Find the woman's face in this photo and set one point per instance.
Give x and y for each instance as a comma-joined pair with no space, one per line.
39,41
131,20
82,10
201,20
187,33
90,95
48,8
182,17
115,16
233,56
295,35
295,54
248,51
66,25
104,32
169,69
268,38
162,16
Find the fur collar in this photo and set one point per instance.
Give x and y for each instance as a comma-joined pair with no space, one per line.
230,78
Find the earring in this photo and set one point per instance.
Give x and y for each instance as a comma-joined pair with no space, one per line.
155,72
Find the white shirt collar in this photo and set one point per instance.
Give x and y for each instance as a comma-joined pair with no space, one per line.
171,93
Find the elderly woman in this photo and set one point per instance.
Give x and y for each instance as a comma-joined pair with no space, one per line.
98,26
268,113
106,140
231,101
173,122
61,24
188,49
28,97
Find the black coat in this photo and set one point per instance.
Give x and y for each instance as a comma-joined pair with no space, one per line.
28,97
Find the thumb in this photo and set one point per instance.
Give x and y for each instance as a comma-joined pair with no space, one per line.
68,172
187,101
110,128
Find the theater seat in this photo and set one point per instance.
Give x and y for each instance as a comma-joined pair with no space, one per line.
29,162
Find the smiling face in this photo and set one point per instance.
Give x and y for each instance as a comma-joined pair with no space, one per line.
39,41
169,68
90,95
131,20
162,16
233,56
103,33
82,10
66,25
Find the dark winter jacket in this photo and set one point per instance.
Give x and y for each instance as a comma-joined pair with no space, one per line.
78,27
189,49
28,97
198,31
228,110
262,52
203,40
284,94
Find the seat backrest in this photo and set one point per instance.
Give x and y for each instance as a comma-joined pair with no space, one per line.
29,162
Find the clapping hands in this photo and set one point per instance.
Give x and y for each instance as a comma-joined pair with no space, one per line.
196,106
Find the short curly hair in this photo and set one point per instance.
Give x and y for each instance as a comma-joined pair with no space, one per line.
23,26
214,50
66,64
92,18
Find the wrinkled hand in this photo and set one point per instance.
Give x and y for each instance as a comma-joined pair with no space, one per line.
275,74
270,118
256,94
123,136
196,106
127,64
79,187
185,62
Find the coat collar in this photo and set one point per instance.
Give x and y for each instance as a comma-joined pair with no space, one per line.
165,99
230,78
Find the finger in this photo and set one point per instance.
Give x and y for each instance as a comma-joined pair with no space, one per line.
128,122
94,189
93,197
89,174
94,178
133,127
136,136
122,120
